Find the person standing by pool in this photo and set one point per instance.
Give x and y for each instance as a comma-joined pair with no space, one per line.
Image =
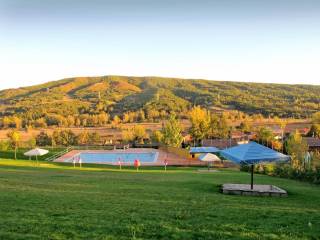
137,164
80,162
119,163
165,164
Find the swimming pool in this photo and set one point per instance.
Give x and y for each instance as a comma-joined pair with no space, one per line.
114,158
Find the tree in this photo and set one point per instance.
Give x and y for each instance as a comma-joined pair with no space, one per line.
70,121
83,138
152,114
297,147
314,131
32,142
43,139
200,123
139,133
94,138
265,135
141,115
219,127
172,132
126,118
116,121
245,126
316,118
17,122
14,140
282,124
157,136
4,145
40,123
6,122
64,138
127,135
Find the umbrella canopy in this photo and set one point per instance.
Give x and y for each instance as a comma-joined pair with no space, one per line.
252,153
36,152
208,157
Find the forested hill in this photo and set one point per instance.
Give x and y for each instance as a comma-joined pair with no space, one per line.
120,94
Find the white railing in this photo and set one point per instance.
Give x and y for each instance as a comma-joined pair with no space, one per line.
58,154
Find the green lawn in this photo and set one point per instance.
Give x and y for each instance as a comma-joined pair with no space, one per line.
58,202
9,154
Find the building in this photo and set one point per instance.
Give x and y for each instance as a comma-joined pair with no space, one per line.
313,143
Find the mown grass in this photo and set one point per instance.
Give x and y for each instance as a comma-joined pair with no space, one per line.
9,154
56,201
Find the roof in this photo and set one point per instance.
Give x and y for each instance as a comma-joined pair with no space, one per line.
313,142
203,150
252,153
219,143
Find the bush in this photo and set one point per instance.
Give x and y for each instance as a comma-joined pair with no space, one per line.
4,145
285,171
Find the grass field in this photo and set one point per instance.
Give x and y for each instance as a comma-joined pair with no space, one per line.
58,202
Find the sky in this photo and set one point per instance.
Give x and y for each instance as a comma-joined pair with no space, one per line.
249,40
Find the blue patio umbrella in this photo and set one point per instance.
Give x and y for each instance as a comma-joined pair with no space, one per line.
251,154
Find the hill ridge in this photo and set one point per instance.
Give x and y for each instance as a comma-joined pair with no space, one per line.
120,94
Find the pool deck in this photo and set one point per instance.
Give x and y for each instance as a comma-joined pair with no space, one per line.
172,159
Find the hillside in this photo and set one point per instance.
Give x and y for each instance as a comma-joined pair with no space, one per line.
120,94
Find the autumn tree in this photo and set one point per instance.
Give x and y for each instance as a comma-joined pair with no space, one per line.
14,140
219,127
43,139
245,126
83,138
282,123
139,133
297,147
200,123
314,131
265,135
157,136
127,135
172,132
316,118
64,138
116,121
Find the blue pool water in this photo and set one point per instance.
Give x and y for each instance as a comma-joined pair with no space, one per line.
114,158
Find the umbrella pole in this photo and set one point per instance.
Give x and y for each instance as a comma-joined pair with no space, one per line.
252,168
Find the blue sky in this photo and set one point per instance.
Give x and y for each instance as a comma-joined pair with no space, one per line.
248,40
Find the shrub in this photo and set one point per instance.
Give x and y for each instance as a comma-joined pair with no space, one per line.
4,145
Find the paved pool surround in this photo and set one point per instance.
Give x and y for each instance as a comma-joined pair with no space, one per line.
162,156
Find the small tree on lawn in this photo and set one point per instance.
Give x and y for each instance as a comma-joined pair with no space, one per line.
14,139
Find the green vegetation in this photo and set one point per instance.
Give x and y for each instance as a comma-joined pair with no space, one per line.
58,202
96,101
171,133
10,154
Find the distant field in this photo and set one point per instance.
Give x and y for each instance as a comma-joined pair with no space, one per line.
108,130
59,202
